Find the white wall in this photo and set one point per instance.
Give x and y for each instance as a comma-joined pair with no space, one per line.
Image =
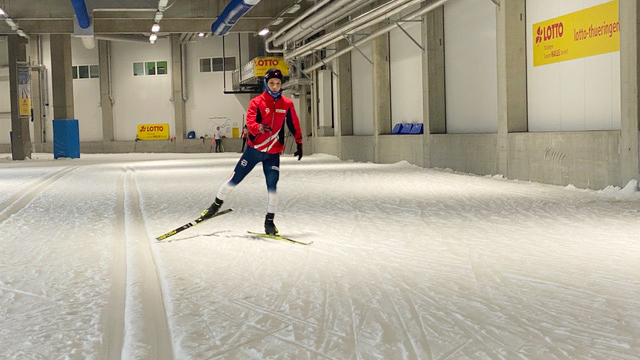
362,88
86,94
406,74
576,95
140,99
471,66
205,90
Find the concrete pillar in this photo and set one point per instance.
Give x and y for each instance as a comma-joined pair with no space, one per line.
178,91
61,76
512,76
629,67
314,104
304,115
381,90
433,81
36,90
345,96
106,100
20,136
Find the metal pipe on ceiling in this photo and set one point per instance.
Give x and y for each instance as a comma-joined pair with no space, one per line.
375,34
230,15
315,22
330,21
125,38
302,16
370,18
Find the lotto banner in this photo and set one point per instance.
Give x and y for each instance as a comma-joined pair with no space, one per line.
588,32
259,66
153,132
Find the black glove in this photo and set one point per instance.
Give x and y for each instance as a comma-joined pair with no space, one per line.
298,153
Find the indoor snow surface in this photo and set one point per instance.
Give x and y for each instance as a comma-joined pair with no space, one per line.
407,263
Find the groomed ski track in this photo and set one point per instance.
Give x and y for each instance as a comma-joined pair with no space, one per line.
407,263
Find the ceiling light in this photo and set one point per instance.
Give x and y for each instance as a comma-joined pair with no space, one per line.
263,32
201,34
2,12
21,33
293,8
153,38
155,28
159,16
10,22
277,21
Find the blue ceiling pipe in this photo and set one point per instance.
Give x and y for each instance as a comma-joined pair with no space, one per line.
232,13
81,13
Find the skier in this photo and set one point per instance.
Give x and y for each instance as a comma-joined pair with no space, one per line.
266,117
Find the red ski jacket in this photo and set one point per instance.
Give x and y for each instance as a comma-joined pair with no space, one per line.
264,110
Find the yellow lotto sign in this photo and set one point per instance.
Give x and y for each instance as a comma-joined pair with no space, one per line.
588,32
262,64
153,132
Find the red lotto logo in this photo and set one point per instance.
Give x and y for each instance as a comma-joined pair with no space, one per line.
550,32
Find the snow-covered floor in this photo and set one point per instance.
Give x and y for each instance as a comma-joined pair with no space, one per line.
407,263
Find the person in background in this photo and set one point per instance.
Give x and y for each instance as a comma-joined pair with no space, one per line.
218,139
244,136
266,117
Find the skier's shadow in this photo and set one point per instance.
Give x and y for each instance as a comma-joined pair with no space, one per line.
218,234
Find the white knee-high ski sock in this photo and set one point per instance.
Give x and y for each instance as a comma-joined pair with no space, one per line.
225,189
272,203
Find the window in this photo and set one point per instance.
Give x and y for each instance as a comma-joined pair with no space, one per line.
205,65
138,69
85,72
162,68
94,71
149,68
217,64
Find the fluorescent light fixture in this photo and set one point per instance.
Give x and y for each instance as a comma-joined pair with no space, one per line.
162,4
21,33
10,22
293,8
263,32
277,21
201,34
153,38
159,16
2,12
155,28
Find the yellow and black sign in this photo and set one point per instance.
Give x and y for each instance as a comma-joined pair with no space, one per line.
259,66
153,132
588,32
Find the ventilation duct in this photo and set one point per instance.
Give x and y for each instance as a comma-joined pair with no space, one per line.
81,13
231,14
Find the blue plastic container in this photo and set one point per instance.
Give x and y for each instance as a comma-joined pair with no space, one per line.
66,139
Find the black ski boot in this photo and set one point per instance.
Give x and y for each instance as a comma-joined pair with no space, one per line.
212,210
269,227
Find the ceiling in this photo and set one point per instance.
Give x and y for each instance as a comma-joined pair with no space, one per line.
136,16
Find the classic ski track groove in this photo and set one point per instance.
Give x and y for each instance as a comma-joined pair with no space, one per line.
156,335
114,332
19,201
